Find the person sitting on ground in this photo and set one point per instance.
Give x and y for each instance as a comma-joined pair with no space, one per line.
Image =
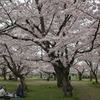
19,91
3,91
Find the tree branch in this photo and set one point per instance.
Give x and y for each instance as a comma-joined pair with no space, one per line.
7,14
93,41
64,23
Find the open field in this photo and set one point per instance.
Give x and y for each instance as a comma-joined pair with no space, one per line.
43,90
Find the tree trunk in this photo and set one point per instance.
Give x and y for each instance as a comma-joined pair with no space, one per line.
96,78
59,76
63,79
80,76
48,77
40,75
4,73
55,76
4,76
15,78
67,87
59,79
25,88
91,76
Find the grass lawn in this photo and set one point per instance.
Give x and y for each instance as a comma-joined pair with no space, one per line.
43,90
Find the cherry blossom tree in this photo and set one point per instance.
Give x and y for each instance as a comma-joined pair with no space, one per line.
62,29
80,68
16,68
93,61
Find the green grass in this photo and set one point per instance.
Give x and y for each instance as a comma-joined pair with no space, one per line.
43,90
86,90
95,85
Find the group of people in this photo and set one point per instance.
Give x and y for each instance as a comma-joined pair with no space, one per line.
17,94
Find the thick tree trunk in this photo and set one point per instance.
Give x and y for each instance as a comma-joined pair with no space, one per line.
25,88
63,79
67,87
59,79
59,76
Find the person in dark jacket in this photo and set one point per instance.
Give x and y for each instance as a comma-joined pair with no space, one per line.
19,91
